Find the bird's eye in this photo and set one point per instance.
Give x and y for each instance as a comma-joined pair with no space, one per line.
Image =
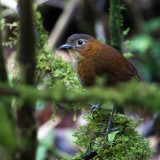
80,42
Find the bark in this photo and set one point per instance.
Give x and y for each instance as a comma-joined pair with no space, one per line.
25,114
3,72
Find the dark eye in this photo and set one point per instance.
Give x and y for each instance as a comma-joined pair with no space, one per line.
80,42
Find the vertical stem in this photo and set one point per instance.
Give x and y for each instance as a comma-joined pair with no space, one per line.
115,24
6,103
25,114
3,72
109,123
26,55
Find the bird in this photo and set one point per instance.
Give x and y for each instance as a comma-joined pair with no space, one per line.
92,59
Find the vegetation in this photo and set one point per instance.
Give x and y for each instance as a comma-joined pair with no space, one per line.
122,143
60,84
115,24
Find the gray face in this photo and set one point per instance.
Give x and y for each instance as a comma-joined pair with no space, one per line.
77,45
76,41
74,49
76,37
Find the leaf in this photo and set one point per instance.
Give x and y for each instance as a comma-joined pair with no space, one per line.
7,134
111,136
74,117
125,32
128,55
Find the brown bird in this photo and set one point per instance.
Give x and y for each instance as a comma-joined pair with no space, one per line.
92,59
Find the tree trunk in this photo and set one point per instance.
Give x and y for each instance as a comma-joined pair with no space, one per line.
25,114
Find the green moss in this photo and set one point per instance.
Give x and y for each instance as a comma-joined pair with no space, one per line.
125,143
115,23
50,69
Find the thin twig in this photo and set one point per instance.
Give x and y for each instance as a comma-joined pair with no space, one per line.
62,23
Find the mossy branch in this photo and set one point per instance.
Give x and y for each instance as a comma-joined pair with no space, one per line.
133,93
115,18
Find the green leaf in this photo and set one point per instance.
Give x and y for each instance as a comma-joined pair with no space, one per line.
128,55
102,40
7,134
125,32
74,117
111,136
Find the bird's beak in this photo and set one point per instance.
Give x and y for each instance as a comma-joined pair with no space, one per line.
66,46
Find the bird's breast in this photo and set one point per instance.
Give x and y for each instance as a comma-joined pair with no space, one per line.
85,72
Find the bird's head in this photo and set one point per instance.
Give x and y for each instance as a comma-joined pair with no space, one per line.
81,46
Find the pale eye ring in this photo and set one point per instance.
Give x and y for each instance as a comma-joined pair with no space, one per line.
80,42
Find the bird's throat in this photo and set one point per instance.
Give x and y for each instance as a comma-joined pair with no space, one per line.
76,56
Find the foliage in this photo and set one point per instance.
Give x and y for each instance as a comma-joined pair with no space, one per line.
51,68
14,28
124,143
8,139
146,48
131,93
7,128
102,40
60,83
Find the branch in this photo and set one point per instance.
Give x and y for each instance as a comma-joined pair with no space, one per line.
26,55
62,23
3,71
25,114
131,93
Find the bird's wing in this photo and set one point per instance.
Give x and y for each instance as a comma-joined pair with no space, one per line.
110,63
